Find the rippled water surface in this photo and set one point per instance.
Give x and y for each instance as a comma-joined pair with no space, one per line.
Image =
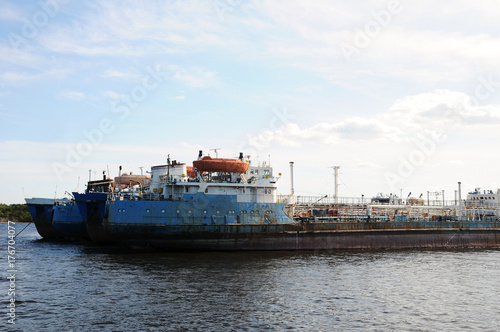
83,287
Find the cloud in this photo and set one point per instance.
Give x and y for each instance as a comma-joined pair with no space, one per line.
297,34
310,36
119,74
129,29
72,95
9,13
196,77
353,128
441,108
18,77
113,95
435,112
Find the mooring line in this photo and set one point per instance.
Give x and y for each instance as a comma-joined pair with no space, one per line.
23,229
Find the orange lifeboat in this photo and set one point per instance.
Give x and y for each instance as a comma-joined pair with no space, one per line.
209,164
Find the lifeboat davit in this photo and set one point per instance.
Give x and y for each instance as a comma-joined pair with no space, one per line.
209,164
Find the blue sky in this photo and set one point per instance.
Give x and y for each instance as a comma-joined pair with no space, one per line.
403,95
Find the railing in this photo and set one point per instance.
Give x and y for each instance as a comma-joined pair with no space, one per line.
330,200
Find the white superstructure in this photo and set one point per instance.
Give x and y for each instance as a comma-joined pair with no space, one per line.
258,184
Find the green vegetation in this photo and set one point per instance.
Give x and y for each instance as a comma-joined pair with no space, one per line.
15,212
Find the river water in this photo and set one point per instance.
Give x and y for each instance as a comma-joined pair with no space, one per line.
84,287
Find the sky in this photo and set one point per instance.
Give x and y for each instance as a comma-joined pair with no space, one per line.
403,95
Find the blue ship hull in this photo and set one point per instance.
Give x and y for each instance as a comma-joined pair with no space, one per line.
57,221
42,214
68,221
206,222
92,209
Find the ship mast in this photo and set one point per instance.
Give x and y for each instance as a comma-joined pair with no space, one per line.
459,201
336,176
292,192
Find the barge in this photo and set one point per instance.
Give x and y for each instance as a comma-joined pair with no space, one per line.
233,204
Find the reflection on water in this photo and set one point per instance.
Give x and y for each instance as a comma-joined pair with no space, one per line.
79,287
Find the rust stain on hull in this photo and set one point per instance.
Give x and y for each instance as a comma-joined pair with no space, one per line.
301,237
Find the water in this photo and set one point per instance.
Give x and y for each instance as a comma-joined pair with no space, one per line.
83,287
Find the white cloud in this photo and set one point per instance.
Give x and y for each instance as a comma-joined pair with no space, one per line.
9,13
196,77
113,95
440,112
126,28
72,95
119,74
17,77
404,49
301,34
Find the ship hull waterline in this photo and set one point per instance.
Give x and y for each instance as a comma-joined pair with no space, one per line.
292,237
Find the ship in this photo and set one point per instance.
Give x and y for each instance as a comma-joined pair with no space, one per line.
222,204
42,210
57,218
61,218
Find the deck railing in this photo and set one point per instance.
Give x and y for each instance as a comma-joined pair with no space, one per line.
330,200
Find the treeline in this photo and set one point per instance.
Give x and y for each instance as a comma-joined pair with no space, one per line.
15,212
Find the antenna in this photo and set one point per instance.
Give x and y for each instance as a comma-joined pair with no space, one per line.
215,150
168,167
141,169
